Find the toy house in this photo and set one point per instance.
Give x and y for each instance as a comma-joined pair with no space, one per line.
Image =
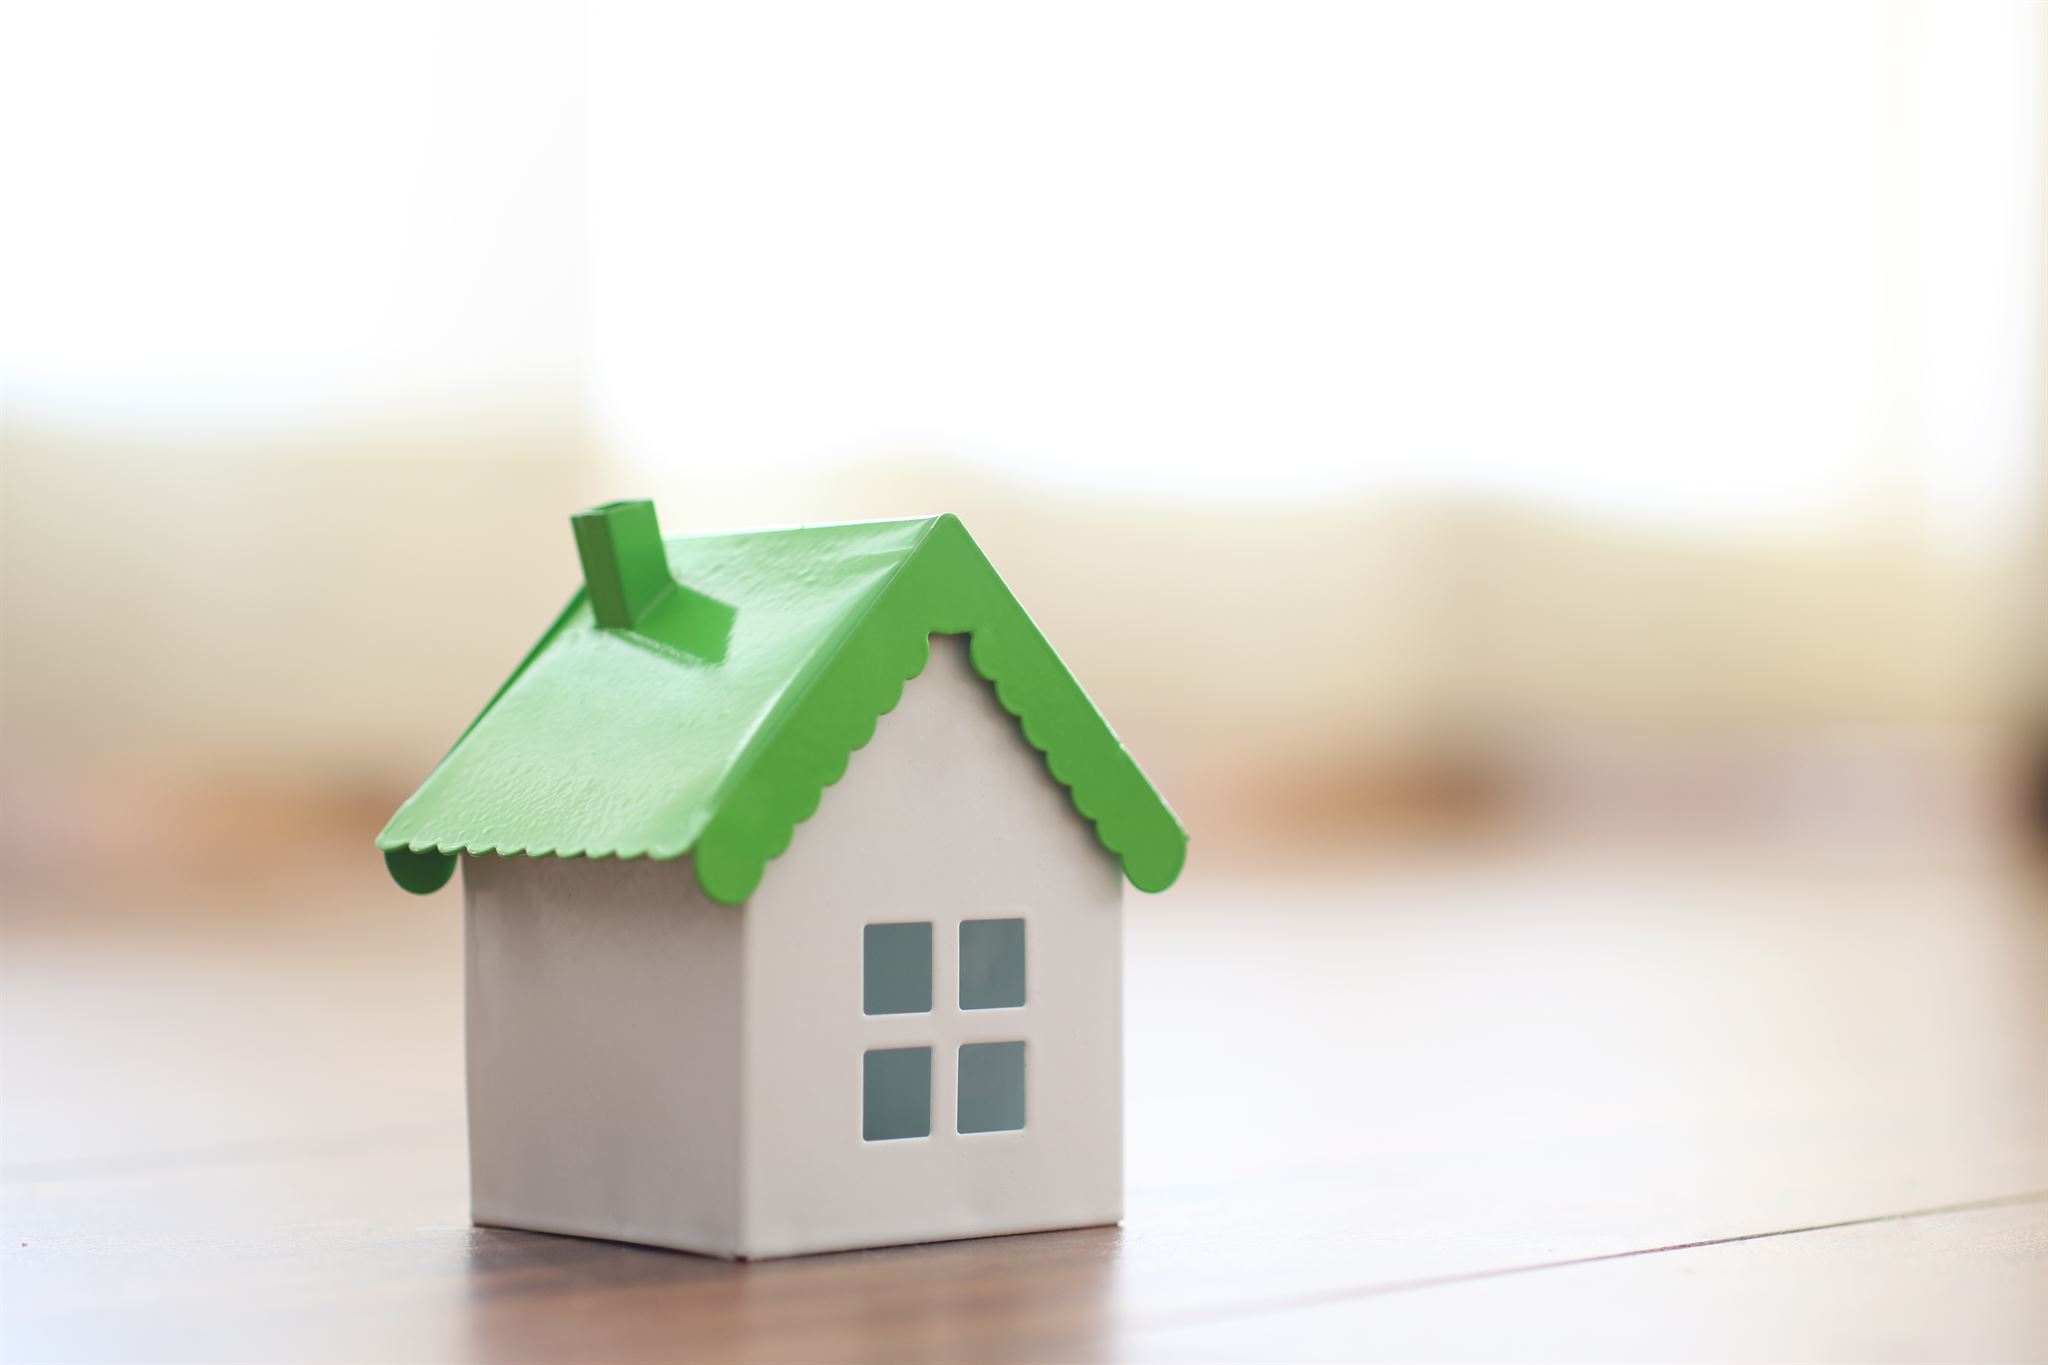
792,878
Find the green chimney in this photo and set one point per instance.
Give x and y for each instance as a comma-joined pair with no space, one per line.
624,564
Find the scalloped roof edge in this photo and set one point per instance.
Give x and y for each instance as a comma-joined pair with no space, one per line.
944,585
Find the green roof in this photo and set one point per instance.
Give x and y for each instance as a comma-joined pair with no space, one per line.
699,694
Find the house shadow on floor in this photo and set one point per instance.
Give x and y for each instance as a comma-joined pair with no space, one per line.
535,1296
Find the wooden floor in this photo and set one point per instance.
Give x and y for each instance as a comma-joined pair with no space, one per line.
1473,1108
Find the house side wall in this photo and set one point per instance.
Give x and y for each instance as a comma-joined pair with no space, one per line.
947,814
603,1044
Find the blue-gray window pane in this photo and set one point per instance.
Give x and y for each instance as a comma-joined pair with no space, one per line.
991,964
897,970
991,1087
896,1094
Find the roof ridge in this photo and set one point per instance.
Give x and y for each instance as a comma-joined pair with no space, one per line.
790,697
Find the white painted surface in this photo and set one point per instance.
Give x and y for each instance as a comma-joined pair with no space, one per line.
946,815
649,1066
603,1020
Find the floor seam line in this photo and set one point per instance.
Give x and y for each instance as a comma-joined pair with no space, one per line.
1268,1307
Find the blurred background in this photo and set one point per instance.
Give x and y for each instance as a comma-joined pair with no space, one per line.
1575,413
1543,488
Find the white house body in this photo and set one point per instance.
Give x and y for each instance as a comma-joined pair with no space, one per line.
648,1065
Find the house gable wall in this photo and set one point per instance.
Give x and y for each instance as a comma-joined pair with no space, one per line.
946,815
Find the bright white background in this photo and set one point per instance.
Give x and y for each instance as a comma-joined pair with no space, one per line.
1722,263
1491,374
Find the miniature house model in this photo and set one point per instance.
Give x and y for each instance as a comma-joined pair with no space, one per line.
792,874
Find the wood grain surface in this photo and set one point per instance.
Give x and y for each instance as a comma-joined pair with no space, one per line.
1482,1106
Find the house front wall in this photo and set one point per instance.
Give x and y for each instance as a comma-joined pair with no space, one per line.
946,816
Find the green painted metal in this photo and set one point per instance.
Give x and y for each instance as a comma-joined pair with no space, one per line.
627,578
625,569
421,873
711,720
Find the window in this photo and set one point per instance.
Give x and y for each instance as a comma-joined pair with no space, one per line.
897,969
991,964
896,1093
896,978
991,1087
